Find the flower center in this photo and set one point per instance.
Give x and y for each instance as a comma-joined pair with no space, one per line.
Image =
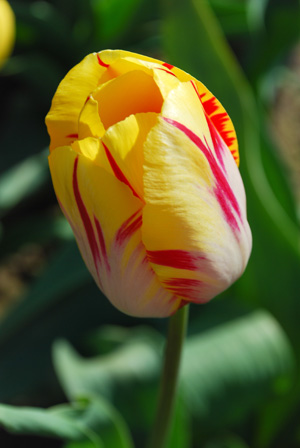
132,93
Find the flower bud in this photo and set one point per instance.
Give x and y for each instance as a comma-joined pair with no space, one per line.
144,162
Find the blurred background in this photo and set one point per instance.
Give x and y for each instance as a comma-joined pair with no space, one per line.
60,340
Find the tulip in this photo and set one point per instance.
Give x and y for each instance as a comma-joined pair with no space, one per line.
7,30
144,162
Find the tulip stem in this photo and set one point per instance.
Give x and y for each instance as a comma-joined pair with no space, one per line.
169,379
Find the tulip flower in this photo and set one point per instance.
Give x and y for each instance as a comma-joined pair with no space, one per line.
7,30
144,162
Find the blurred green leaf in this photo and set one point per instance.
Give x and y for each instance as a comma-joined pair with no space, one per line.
22,180
221,367
270,46
231,364
136,360
256,13
27,420
232,16
89,419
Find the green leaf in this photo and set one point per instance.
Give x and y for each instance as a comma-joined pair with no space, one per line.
22,180
256,13
232,16
136,360
25,420
90,420
234,363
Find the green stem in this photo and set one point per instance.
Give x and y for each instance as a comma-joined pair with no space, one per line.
169,379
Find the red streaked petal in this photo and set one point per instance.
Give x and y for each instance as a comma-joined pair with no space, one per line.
186,288
173,258
85,219
167,71
220,120
100,62
128,228
224,193
117,171
169,66
102,243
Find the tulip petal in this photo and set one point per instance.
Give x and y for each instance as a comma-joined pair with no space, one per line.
194,222
125,141
120,62
134,92
70,97
89,124
106,219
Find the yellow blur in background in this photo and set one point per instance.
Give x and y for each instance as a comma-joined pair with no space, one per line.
7,31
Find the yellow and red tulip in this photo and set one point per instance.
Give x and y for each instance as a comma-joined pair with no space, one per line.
144,162
7,30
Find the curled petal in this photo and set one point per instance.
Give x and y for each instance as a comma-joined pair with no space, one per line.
69,99
134,92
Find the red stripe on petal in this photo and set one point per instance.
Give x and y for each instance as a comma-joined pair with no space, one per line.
102,243
85,218
188,288
167,71
128,228
72,136
223,191
197,91
179,259
219,120
169,66
117,171
100,62
210,106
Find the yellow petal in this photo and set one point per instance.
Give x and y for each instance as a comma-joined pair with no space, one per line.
134,92
190,113
89,124
194,222
106,220
119,62
125,141
69,99
93,149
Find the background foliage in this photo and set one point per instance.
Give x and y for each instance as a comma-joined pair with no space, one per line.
74,370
